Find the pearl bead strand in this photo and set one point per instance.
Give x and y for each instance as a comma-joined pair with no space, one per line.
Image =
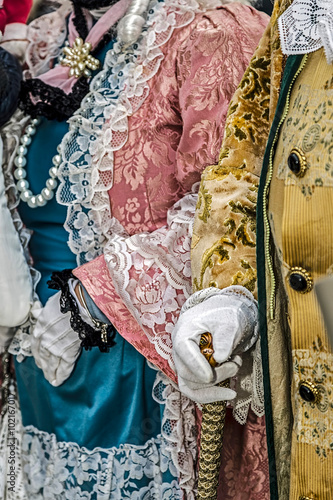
20,174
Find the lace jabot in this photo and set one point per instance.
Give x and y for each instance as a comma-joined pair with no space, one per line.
306,26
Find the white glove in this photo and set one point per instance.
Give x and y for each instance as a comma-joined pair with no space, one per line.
230,316
54,344
15,279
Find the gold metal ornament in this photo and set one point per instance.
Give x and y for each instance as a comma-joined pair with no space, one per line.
206,348
303,165
212,427
78,58
313,389
308,281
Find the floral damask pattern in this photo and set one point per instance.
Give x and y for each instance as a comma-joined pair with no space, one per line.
170,139
244,474
118,182
311,115
314,421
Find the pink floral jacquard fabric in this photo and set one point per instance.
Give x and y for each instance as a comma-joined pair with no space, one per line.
244,471
144,276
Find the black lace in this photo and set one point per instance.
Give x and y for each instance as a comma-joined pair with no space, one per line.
89,336
93,4
53,103
79,21
40,99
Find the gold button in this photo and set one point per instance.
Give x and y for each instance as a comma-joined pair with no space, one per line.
302,497
309,392
297,162
300,280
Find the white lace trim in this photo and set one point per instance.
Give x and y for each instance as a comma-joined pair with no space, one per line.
151,272
100,127
306,26
21,343
249,386
178,431
248,383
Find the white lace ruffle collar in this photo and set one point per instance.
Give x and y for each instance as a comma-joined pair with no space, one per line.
306,26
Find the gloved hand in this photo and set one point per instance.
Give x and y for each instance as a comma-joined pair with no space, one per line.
230,316
54,344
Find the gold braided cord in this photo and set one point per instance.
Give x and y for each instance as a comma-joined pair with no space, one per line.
213,420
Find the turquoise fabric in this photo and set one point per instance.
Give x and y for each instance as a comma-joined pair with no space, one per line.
107,400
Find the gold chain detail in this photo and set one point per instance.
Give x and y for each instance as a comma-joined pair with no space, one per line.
268,256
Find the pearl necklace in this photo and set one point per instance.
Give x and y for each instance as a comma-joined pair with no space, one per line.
20,161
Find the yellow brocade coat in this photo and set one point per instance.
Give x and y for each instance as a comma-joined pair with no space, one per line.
280,119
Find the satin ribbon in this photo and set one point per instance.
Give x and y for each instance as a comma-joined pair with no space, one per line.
59,76
306,26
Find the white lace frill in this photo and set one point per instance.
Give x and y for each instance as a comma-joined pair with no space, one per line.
178,431
100,127
248,383
151,272
306,26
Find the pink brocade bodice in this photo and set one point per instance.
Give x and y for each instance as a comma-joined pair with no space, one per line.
178,129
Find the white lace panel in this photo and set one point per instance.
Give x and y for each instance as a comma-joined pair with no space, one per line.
151,272
249,386
306,26
57,470
100,127
178,431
